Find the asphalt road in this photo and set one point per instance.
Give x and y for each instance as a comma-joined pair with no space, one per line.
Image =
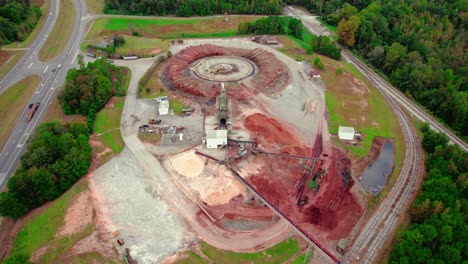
51,80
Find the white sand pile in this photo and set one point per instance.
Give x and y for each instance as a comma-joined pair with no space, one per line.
188,164
217,189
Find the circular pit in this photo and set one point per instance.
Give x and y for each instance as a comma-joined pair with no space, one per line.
223,68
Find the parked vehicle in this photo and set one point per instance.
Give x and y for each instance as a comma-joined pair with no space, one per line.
154,121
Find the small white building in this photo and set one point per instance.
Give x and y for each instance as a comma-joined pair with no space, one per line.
346,133
164,107
216,138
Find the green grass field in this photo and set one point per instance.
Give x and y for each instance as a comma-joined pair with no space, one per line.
302,259
14,57
39,230
153,83
166,28
107,125
277,254
12,103
95,7
35,32
61,33
158,28
378,119
139,45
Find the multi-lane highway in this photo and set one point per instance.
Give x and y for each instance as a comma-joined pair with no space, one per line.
52,78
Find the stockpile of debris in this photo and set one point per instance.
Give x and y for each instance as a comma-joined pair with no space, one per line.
178,71
271,74
149,129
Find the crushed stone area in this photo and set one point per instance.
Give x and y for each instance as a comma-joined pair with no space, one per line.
144,220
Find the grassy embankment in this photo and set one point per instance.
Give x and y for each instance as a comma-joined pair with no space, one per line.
157,32
375,119
95,7
107,124
37,29
151,87
13,102
39,231
61,33
9,58
277,254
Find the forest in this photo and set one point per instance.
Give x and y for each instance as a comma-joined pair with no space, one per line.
421,46
89,88
186,8
56,158
439,232
273,25
17,19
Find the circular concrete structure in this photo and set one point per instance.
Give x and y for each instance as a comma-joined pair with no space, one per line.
223,68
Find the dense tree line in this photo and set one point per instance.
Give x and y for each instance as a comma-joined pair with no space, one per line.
56,158
273,25
89,88
439,230
17,19
188,8
420,45
325,45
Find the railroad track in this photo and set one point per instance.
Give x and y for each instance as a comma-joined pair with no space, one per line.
412,107
383,222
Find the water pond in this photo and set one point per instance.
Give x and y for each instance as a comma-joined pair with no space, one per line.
375,177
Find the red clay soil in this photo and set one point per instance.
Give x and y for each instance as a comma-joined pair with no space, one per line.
236,209
271,75
326,216
272,131
4,56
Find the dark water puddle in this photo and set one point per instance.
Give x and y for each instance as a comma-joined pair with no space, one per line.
375,177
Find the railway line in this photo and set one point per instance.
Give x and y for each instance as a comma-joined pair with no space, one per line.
412,107
383,222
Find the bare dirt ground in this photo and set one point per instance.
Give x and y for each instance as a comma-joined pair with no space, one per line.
280,124
141,199
79,214
4,57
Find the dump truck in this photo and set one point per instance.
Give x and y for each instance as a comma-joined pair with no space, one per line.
32,110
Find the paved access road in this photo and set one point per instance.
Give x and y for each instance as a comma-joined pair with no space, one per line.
51,80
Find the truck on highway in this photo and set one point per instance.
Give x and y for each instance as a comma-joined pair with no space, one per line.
32,110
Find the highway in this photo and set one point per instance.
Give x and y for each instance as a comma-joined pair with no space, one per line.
382,224
378,228
51,80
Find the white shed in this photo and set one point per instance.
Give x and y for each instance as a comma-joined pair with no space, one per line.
164,107
215,138
346,133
